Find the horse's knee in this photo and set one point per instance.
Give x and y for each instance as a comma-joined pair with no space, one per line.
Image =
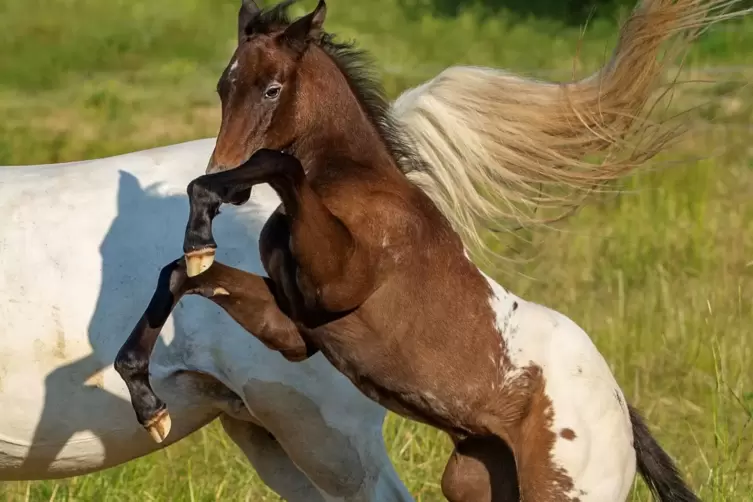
466,480
481,469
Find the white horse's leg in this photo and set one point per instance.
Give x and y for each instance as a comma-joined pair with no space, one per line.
301,450
262,450
340,448
301,454
271,462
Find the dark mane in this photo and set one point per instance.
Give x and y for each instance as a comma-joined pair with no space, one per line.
357,67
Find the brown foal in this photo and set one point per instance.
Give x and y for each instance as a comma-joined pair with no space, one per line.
364,268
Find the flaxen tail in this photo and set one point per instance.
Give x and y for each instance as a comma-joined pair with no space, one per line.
655,466
498,148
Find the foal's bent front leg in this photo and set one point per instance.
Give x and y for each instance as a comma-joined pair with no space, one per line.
335,272
207,192
248,298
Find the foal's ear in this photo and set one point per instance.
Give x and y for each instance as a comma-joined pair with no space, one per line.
248,10
307,28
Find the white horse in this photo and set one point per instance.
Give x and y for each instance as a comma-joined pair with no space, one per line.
80,253
77,265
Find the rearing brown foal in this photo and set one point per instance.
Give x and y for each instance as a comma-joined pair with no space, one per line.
364,268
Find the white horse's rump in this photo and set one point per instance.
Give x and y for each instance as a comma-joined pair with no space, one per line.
81,246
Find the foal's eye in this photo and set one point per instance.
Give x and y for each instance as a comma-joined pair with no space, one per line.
273,91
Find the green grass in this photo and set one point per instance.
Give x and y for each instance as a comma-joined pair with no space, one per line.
662,278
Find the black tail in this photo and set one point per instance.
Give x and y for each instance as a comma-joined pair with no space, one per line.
655,466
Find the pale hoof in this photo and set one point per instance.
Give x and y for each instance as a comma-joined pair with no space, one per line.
159,426
199,261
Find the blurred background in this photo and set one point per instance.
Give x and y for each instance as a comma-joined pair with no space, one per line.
661,277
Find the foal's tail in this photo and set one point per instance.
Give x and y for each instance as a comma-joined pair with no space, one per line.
655,466
496,146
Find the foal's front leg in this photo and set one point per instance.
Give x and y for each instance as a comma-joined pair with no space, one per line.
248,298
335,273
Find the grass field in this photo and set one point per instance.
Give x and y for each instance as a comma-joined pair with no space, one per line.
661,277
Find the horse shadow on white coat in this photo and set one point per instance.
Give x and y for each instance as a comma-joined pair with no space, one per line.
146,234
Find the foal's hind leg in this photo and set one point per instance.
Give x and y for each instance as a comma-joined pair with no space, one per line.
481,469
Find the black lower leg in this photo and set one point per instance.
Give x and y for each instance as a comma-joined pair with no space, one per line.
208,192
132,361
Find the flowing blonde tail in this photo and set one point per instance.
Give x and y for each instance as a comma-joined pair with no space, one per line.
496,146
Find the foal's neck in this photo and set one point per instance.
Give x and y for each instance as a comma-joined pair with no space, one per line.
339,126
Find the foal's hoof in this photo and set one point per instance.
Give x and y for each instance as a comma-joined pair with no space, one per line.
159,425
199,261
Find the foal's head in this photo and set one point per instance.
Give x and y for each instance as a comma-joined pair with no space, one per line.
258,88
289,84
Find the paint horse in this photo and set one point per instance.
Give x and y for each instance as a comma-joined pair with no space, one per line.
364,267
